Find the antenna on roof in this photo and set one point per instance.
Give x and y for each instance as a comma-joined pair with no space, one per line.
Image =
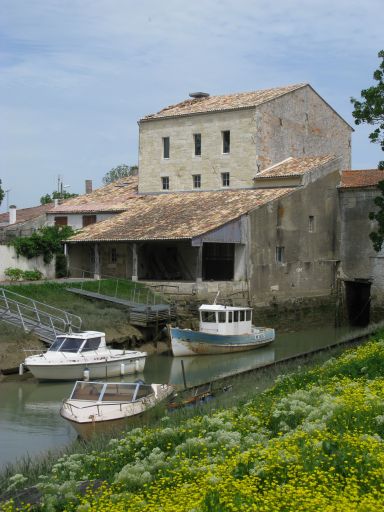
197,95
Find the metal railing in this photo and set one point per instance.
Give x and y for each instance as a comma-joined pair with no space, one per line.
32,314
139,293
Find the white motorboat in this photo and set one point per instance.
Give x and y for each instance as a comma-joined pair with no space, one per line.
95,407
222,329
84,355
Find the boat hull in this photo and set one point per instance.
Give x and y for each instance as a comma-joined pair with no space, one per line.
186,342
101,417
97,370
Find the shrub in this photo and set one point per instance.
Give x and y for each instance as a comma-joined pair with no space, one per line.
14,274
32,275
61,265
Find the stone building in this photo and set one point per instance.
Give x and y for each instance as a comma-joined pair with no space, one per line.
362,268
218,142
236,193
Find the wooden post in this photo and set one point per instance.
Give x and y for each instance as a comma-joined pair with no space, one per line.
135,275
199,264
96,274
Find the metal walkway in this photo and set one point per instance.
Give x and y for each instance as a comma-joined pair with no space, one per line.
36,317
139,314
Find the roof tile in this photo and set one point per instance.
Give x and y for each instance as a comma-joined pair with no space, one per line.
177,216
361,178
225,102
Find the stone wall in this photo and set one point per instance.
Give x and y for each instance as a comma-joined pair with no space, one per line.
311,255
297,124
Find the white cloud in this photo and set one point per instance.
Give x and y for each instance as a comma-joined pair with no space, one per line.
77,75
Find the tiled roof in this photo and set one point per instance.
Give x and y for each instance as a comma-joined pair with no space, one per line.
361,178
294,166
226,102
26,214
177,216
110,198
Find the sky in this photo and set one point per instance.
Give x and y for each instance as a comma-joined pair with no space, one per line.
77,75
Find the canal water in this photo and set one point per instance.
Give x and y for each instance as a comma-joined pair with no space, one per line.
29,411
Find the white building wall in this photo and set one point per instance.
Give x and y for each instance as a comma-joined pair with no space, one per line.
75,220
9,258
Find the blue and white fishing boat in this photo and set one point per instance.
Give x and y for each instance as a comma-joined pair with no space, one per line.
222,329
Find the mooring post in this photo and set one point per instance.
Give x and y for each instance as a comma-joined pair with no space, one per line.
183,372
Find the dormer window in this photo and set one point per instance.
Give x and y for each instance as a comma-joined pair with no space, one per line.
166,147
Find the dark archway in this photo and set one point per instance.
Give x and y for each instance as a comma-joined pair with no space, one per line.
358,299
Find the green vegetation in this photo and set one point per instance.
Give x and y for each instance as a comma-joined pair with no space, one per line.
120,171
1,193
371,109
49,198
46,242
123,289
16,274
313,441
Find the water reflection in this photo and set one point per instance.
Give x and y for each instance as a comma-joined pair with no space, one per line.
29,411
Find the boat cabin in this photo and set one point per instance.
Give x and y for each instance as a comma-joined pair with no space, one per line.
225,320
78,342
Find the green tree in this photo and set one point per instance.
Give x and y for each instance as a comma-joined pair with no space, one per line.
121,171
44,242
377,236
370,109
49,198
1,193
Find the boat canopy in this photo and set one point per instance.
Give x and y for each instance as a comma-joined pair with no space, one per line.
111,391
80,342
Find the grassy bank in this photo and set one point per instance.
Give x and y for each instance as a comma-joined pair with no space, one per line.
96,315
313,441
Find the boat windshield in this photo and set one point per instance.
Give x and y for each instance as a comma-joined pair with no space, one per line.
111,392
91,344
66,345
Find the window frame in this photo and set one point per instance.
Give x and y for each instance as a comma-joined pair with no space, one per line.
280,254
61,220
226,142
164,182
196,181
166,148
197,144
225,179
88,220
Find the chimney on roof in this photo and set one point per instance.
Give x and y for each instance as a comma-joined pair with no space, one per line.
12,214
198,95
88,186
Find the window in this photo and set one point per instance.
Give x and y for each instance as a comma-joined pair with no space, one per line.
242,315
196,180
197,141
61,221
165,147
91,344
165,182
88,219
208,316
226,136
280,254
225,179
222,316
113,255
311,223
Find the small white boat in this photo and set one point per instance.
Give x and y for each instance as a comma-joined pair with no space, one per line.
222,329
84,355
95,407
